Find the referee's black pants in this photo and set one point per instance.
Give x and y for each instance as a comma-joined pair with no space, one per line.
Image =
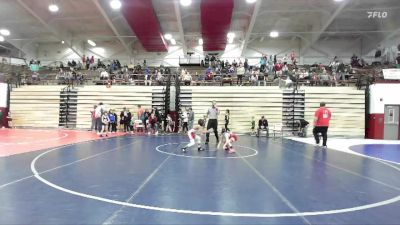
324,133
212,123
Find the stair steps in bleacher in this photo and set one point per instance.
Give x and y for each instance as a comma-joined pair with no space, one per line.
68,107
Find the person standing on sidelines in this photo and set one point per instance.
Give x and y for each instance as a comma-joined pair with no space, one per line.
321,123
98,113
191,117
212,114
93,116
227,119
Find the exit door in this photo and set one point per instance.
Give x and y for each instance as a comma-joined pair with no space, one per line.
391,130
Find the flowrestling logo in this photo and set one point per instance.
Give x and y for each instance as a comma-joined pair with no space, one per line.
377,14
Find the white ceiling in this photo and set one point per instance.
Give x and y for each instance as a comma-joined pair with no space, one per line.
78,20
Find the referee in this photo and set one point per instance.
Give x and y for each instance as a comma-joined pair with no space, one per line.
212,114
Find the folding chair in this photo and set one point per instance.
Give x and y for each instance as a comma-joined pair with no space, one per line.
138,125
277,128
263,129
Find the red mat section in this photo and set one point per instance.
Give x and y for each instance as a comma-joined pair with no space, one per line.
18,141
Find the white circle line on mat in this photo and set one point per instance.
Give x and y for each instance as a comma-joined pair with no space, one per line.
207,213
206,157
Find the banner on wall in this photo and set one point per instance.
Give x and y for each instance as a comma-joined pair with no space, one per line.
3,95
391,74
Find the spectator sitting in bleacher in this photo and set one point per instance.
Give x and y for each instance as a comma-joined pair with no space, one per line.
217,76
187,79
261,78
200,77
183,72
209,76
285,69
227,65
314,80
324,78
355,61
254,79
104,75
147,77
288,82
234,63
278,68
231,70
240,73
159,78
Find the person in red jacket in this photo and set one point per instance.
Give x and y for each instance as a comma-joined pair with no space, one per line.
321,123
153,124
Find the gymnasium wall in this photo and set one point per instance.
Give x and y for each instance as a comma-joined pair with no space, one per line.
38,106
380,95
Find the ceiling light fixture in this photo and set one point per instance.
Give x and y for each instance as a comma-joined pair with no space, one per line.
173,42
201,42
251,1
62,42
231,35
4,32
1,38
186,2
115,4
168,36
92,43
274,34
53,8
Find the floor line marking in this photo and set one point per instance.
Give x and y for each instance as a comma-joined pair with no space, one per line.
276,191
15,181
110,220
210,213
205,157
348,150
87,158
346,170
59,167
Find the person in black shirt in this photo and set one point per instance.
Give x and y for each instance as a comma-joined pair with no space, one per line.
303,125
262,126
227,118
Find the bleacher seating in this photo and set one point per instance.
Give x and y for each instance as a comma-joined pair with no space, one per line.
116,97
38,106
243,103
347,105
35,106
